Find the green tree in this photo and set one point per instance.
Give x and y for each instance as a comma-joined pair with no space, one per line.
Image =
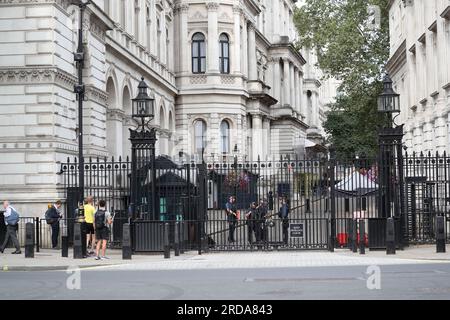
354,51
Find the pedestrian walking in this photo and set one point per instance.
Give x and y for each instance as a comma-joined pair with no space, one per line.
102,221
89,213
231,212
283,214
52,216
12,225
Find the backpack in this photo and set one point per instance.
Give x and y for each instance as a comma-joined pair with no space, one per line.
99,219
48,217
13,218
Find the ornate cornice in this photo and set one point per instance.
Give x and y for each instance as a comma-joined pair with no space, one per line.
212,6
37,75
63,3
96,95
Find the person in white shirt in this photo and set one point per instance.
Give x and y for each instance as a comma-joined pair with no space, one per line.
11,229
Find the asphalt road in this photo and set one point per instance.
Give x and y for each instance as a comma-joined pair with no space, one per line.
422,281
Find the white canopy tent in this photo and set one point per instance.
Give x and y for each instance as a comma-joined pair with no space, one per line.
356,184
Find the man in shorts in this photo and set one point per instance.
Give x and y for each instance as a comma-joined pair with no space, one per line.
89,212
102,221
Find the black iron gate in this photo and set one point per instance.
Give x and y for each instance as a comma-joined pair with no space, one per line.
324,197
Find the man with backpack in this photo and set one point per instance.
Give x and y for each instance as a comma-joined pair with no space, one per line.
52,216
102,220
12,223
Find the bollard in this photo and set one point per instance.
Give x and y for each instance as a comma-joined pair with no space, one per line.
126,242
440,234
390,236
180,236
166,241
362,236
64,246
177,239
37,234
77,241
354,235
83,237
29,240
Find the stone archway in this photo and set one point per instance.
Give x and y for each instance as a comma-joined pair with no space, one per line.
128,122
113,121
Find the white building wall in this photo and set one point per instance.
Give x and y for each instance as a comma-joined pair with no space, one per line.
419,66
263,98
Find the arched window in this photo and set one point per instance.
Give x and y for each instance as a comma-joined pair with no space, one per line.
224,47
200,136
198,53
225,137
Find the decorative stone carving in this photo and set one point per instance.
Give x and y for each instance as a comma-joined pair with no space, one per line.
63,3
37,75
227,80
212,6
198,16
198,79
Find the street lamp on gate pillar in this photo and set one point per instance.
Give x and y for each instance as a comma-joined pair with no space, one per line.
142,140
80,90
390,149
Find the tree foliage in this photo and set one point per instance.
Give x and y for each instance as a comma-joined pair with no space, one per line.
351,50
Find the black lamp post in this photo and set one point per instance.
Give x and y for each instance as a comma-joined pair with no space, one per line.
142,142
80,90
390,149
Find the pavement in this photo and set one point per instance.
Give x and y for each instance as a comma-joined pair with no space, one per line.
51,260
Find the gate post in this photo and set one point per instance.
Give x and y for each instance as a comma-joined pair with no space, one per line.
440,234
332,166
203,204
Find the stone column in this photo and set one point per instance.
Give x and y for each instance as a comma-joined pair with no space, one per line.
286,84
153,30
163,45
257,136
440,126
236,62
297,90
314,110
275,20
276,80
292,85
213,38
244,51
302,95
252,63
441,44
266,133
183,45
417,139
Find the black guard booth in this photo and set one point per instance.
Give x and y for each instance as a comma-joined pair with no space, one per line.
176,201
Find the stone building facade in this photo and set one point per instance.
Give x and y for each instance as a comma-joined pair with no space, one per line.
420,68
226,76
